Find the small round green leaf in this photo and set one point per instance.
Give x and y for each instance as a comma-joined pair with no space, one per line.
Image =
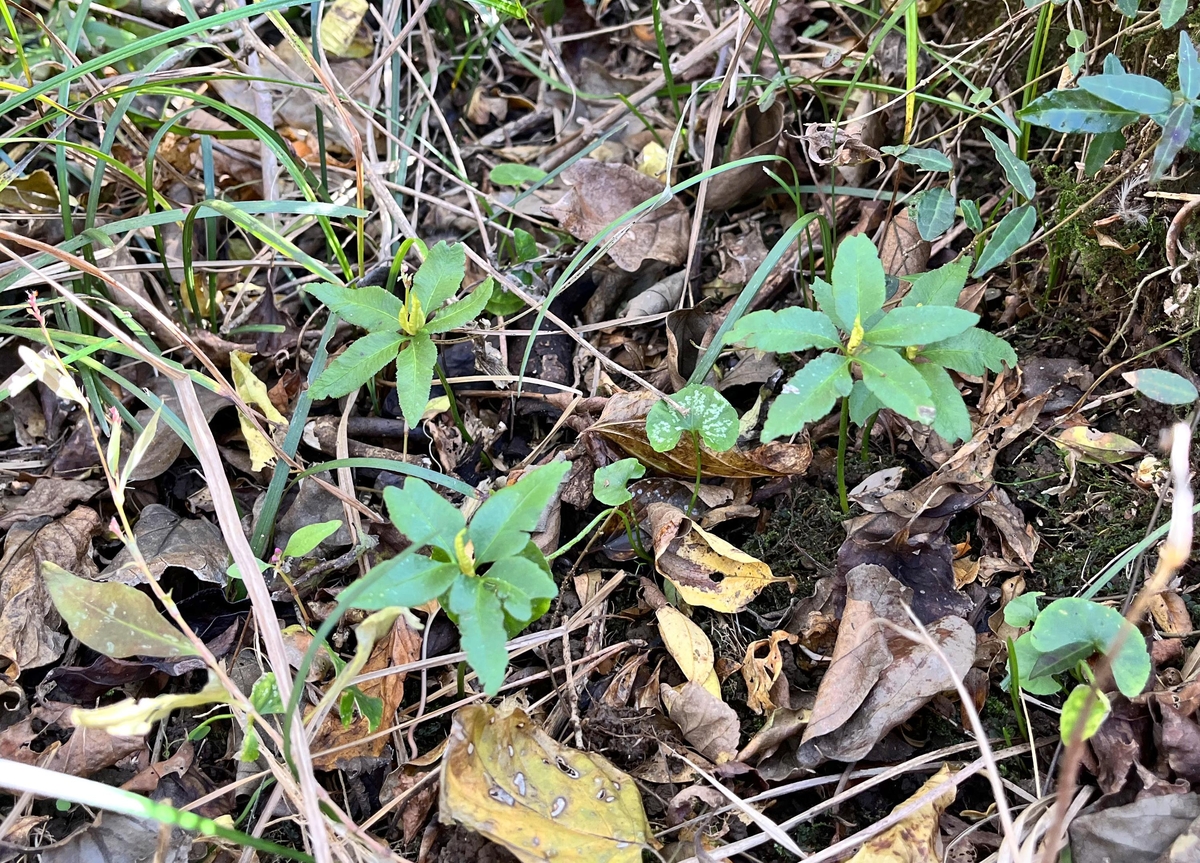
609,483
1162,386
708,413
1073,713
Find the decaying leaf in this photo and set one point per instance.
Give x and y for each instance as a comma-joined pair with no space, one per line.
706,722
1095,447
602,192
49,496
504,777
689,647
623,422
761,672
166,540
705,569
250,388
132,718
916,839
754,132
46,738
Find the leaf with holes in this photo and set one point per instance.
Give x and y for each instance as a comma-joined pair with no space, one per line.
709,415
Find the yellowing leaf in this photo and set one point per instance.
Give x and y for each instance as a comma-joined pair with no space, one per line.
503,777
689,647
760,673
254,392
652,161
1096,447
48,368
339,24
915,839
131,718
705,569
35,193
112,618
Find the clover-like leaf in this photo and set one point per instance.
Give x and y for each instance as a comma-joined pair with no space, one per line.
1068,623
610,483
709,414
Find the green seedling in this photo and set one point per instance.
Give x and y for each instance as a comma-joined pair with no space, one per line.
709,418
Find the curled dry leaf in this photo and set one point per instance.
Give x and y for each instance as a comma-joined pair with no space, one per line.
706,722
755,133
705,569
254,392
602,192
166,540
623,422
916,839
49,496
503,777
46,738
689,647
761,672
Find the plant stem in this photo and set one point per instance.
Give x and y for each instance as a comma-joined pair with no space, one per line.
843,435
696,487
866,442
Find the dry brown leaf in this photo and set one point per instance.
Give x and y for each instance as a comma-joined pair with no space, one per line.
689,647
623,422
705,569
166,540
601,193
1009,590
903,250
916,839
706,722
755,133
503,777
761,672
29,635
82,752
1171,614
50,496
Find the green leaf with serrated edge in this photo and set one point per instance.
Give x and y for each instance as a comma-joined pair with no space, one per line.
1164,387
370,307
112,618
1015,171
1076,111
925,158
894,381
309,537
1189,67
1174,135
440,275
970,211
859,286
407,581
1073,714
1022,610
356,365
972,352
414,377
862,403
709,414
952,422
808,396
1129,92
940,287
1067,622
934,213
1027,655
463,312
823,294
501,526
510,174
919,325
1169,13
1014,231
480,622
518,582
418,511
525,245
791,329
610,483
1100,149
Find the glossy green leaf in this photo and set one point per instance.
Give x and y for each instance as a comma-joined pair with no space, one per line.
709,414
972,353
952,421
610,483
1022,610
862,403
1074,722
1014,231
1076,111
808,396
934,213
1164,387
1128,8
1015,171
925,158
1169,13
510,174
525,245
1189,67
407,580
1068,621
1100,149
1174,135
440,275
501,526
1112,65
919,325
1138,93
371,308
112,618
940,287
309,537
423,515
970,211
859,287
414,377
463,312
894,381
791,329
1026,657
480,622
356,365
504,302
519,583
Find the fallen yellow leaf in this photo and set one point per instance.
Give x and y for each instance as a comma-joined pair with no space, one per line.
916,838
689,647
254,392
760,673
